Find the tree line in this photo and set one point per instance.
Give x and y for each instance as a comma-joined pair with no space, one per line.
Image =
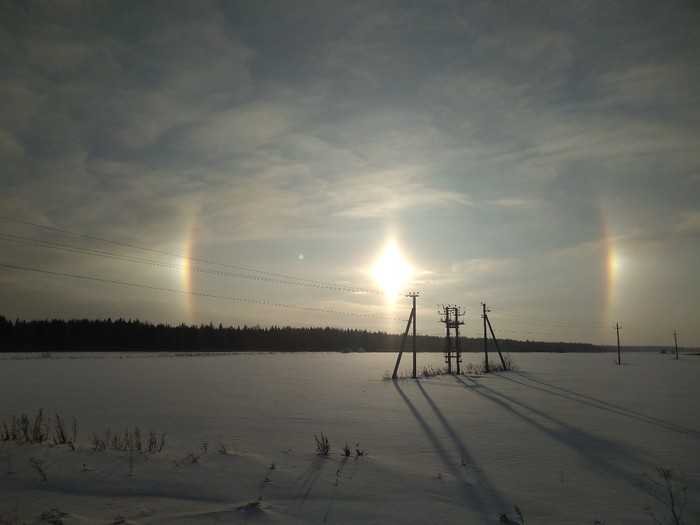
58,335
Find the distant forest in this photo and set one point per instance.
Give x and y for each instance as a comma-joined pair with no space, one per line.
121,335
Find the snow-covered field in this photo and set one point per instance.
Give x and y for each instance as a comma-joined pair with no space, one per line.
566,439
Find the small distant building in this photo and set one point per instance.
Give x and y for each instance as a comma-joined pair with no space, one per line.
349,350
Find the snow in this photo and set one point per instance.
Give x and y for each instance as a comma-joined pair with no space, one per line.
566,438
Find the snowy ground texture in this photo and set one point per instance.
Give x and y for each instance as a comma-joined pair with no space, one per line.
566,438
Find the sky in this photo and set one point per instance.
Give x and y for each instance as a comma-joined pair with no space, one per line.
250,162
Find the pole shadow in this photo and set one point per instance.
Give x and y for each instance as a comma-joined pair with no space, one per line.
471,494
600,404
596,450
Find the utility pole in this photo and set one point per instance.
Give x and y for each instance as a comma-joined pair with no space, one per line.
487,322
411,320
451,320
617,329
458,343
675,340
413,295
486,345
448,340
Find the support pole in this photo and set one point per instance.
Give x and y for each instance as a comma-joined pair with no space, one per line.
403,342
503,362
411,319
617,329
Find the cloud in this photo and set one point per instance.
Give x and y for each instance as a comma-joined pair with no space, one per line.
238,130
477,268
650,86
101,78
688,224
386,193
519,204
508,138
10,147
536,54
259,208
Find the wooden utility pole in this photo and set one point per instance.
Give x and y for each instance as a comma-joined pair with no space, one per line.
451,320
617,329
486,344
458,343
411,320
448,339
487,322
413,295
675,340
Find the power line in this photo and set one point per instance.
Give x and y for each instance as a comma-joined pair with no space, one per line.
547,333
199,294
286,278
543,319
531,323
553,322
262,275
276,278
430,298
163,264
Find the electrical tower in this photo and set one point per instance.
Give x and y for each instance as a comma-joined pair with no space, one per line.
453,347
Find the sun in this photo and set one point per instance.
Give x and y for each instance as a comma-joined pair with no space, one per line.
391,271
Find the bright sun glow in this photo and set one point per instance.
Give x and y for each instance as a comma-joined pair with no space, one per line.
391,271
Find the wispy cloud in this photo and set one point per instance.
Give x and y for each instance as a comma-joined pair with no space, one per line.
386,193
511,139
476,268
688,224
518,204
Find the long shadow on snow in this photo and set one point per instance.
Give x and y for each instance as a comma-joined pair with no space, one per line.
307,480
596,450
339,472
471,495
603,405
